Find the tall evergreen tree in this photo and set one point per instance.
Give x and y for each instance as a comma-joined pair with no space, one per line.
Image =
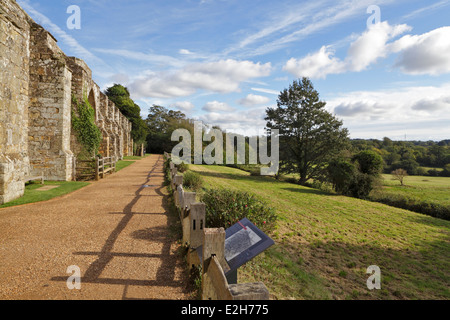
309,135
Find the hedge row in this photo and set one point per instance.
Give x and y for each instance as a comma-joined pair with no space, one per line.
429,208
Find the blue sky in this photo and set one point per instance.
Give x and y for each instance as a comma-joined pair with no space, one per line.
225,61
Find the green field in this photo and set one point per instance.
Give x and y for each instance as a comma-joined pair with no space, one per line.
435,189
326,242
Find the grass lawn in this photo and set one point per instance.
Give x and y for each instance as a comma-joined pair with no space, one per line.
128,158
121,164
326,242
435,189
32,193
127,161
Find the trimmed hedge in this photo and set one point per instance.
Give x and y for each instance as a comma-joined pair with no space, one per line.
225,208
425,207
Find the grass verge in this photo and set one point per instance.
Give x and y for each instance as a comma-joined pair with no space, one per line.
33,194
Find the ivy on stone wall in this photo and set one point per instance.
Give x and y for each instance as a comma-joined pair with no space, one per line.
83,123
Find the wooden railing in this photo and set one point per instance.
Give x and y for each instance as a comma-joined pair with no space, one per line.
95,169
206,247
104,166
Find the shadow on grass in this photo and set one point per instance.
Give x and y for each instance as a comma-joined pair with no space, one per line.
307,190
337,270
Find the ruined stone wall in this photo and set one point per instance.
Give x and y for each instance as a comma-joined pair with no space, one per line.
107,116
37,81
14,101
50,108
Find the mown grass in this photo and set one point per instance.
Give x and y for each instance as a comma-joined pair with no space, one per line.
435,189
326,242
128,161
122,164
32,193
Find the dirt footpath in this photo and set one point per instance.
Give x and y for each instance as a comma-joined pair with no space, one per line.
116,231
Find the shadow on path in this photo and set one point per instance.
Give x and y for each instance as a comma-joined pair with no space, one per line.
166,271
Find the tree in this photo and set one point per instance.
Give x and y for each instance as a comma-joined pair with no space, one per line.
122,99
161,122
357,176
399,175
309,134
370,162
341,174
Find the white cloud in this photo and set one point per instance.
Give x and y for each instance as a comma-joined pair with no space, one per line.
405,104
421,11
364,51
372,45
216,106
185,52
317,65
224,76
248,122
415,110
184,106
140,56
295,22
417,54
252,100
268,91
424,54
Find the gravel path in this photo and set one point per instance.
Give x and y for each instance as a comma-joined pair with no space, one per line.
115,230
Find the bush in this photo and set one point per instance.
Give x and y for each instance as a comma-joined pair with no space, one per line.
352,180
225,208
361,185
369,161
424,207
183,167
192,180
166,168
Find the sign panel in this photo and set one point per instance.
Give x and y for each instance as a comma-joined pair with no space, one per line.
243,242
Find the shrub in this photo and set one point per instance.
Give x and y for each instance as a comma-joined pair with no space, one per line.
86,131
166,168
361,185
183,167
226,207
424,207
369,162
192,180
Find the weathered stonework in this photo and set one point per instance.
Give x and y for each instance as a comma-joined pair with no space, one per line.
14,100
37,81
50,108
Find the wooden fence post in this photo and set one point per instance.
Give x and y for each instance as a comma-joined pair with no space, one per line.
176,181
97,169
213,245
185,208
197,215
102,160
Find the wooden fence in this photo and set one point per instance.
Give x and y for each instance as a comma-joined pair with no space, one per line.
206,247
94,169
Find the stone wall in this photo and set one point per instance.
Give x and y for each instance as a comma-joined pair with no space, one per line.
14,100
50,108
37,81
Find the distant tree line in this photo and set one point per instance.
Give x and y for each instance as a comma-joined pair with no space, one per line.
416,157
